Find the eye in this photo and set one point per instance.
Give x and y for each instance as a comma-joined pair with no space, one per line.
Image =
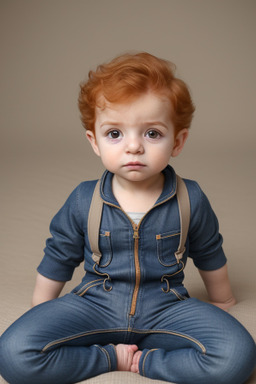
153,134
114,134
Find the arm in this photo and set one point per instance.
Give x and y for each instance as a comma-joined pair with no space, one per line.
64,249
218,287
46,289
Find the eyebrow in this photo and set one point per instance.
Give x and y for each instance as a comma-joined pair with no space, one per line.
148,123
109,123
156,123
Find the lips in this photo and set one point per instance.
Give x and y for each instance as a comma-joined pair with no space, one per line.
134,165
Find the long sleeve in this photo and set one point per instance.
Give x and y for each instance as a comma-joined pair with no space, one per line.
64,250
205,241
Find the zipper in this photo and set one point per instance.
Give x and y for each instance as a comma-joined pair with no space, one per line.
136,251
137,269
136,257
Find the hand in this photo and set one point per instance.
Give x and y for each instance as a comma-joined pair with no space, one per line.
125,354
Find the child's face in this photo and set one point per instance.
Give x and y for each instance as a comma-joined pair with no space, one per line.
136,140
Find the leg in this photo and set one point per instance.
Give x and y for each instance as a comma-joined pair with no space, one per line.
56,343
199,344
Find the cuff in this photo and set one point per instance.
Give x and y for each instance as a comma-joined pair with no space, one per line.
145,361
110,353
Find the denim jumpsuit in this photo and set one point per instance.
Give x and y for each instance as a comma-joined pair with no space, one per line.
135,295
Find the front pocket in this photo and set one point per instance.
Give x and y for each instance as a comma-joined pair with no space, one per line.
167,244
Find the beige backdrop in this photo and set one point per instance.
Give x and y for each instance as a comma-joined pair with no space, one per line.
47,48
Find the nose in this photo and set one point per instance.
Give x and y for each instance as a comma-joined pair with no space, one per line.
134,145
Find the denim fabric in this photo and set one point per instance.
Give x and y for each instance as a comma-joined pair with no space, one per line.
135,295
158,232
71,339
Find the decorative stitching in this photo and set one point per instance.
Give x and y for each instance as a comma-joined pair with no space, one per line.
159,237
106,354
165,251
108,358
136,331
86,285
114,347
91,286
144,361
179,296
165,277
108,278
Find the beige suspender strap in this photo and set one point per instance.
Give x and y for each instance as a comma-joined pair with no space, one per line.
184,210
94,219
95,212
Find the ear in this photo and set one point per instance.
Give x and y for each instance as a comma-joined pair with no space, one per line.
179,142
92,140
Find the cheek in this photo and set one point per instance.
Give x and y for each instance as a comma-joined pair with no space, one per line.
162,153
109,157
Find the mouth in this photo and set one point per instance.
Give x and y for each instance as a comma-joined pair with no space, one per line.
134,165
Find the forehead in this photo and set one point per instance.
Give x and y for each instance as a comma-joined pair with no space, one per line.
149,106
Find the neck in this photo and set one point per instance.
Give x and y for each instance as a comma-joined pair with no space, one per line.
137,196
155,183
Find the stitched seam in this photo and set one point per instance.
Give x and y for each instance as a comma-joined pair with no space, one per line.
144,361
108,278
165,277
106,355
172,260
175,273
91,286
108,358
160,237
180,297
137,331
86,285
100,273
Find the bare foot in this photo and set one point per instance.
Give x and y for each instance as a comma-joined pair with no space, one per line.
135,362
125,355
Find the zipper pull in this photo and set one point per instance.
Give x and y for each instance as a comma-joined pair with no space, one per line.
135,232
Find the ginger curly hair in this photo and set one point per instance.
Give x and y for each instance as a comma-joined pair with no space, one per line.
127,77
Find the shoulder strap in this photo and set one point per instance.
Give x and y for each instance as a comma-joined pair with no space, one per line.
94,219
184,211
95,212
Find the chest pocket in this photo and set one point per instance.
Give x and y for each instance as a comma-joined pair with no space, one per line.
167,244
105,248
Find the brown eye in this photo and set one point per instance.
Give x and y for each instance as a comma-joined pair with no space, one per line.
115,134
152,134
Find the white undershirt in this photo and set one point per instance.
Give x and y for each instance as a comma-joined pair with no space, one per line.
136,216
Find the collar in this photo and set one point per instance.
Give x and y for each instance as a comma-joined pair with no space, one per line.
168,192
